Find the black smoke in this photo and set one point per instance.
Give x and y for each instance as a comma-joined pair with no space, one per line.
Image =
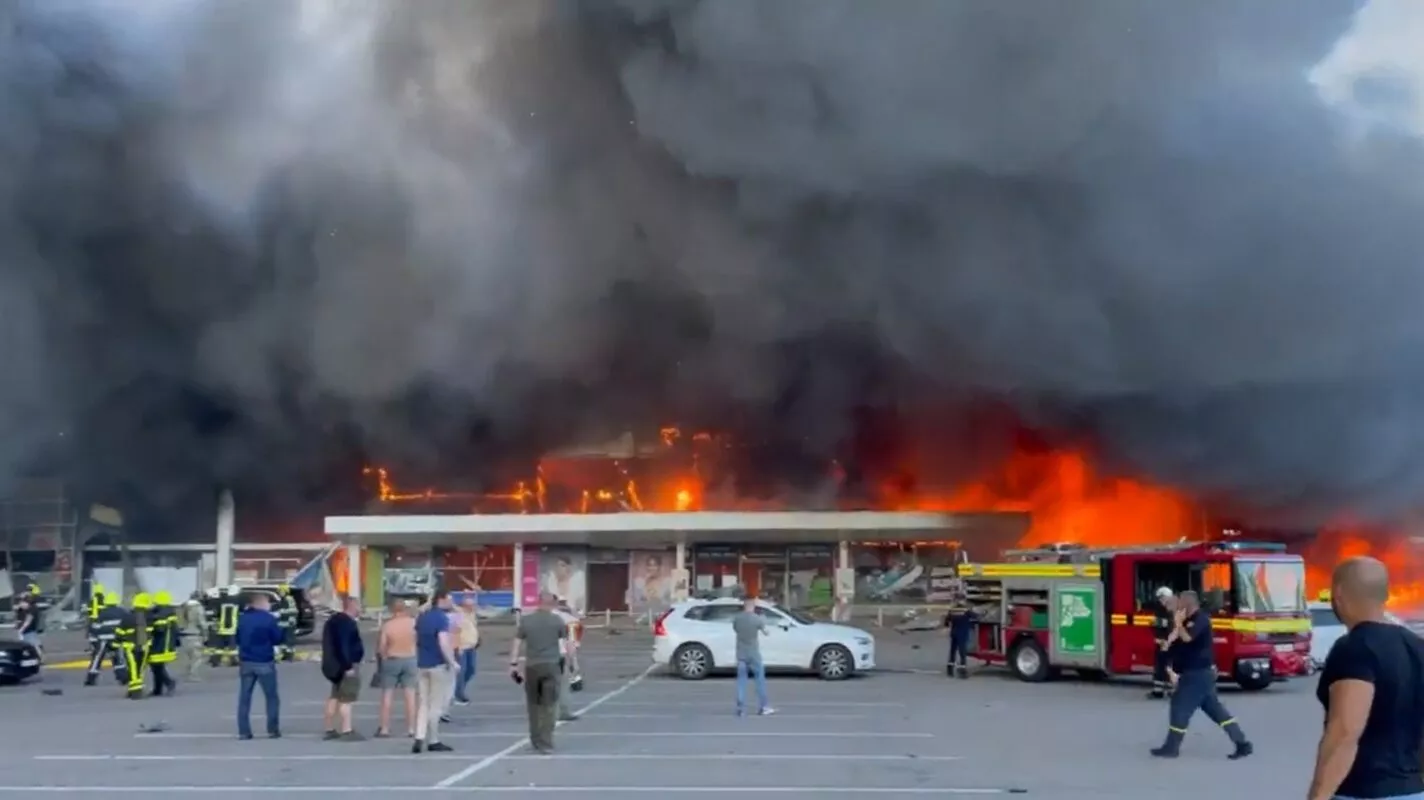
260,243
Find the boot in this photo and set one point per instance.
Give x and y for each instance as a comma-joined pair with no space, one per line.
90,680
1170,748
1243,749
1238,738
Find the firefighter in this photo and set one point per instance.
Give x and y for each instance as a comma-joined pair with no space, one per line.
1194,673
103,639
960,620
130,638
212,643
1163,608
96,601
193,635
229,604
287,621
162,643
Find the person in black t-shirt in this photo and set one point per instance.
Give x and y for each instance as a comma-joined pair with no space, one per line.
1194,668
1372,688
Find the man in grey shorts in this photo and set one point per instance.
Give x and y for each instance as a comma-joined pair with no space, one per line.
397,651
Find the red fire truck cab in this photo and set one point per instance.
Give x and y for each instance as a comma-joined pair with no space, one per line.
1091,610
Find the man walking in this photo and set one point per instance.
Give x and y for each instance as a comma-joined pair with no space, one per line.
468,634
1163,623
749,627
1194,664
436,667
194,626
257,636
539,636
341,654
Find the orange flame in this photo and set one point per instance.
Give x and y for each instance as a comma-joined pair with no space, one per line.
1070,503
1399,552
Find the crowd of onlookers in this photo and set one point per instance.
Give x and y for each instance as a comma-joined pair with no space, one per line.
426,654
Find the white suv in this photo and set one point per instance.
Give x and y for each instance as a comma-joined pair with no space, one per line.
695,638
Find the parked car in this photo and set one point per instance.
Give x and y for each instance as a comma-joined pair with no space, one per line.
18,661
1326,629
695,639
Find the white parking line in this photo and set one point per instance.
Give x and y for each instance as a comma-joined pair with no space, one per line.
489,761
85,757
880,791
477,716
749,733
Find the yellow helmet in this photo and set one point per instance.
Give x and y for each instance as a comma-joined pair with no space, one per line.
111,599
162,599
142,600
284,589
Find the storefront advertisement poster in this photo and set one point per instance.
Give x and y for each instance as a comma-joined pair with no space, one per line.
529,581
564,573
650,581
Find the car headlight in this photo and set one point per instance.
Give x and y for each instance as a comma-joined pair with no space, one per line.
864,641
5,655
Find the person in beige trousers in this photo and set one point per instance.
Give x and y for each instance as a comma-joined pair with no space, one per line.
436,668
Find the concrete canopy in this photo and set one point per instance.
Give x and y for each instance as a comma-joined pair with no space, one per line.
988,531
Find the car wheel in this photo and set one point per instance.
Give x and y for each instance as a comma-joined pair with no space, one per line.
693,662
833,663
1029,662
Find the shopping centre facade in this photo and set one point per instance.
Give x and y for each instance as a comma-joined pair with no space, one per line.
635,562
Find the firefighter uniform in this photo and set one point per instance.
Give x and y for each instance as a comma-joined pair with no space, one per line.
960,620
1195,665
287,621
162,643
1162,625
103,640
130,638
193,634
96,603
223,626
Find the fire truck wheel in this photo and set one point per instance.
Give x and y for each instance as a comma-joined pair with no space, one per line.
833,663
1029,662
1250,684
693,662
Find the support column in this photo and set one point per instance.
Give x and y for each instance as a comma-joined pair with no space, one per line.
681,581
354,569
845,584
227,527
518,577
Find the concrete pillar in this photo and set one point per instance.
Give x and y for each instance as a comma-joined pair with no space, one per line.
680,560
518,576
353,570
227,530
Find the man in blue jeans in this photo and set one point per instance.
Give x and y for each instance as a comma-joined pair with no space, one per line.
258,635
749,628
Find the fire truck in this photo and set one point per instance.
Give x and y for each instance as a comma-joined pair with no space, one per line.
1044,610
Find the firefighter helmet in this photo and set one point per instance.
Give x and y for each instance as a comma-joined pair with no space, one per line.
142,600
111,598
162,599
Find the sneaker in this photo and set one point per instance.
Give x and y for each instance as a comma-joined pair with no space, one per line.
568,718
766,712
274,734
417,747
330,736
439,747
445,718
741,712
382,735
460,701
1242,750
244,736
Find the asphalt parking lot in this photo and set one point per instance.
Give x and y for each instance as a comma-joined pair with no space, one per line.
905,731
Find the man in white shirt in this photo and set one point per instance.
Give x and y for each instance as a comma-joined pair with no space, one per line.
568,663
567,583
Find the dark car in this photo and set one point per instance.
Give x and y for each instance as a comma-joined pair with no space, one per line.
306,614
18,661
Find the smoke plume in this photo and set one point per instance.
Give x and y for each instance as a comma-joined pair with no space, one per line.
237,239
